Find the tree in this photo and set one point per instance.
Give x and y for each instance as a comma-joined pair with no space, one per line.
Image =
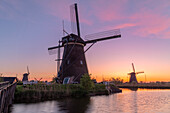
117,80
86,82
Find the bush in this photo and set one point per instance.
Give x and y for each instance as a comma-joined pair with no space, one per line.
99,87
18,90
86,82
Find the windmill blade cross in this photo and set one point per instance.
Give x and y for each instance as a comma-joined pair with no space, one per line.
35,79
28,70
53,50
139,72
74,19
105,35
133,67
55,47
39,79
58,62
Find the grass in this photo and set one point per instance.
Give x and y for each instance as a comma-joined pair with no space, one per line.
39,92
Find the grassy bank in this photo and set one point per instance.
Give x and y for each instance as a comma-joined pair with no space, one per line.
145,85
41,92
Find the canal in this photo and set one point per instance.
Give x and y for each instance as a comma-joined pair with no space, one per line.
129,101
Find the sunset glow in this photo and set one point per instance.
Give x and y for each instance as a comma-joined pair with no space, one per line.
29,27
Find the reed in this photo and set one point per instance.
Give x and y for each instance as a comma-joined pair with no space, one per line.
41,92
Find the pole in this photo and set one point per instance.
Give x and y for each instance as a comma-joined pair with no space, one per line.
58,62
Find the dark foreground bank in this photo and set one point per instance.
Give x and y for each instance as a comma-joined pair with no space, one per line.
42,92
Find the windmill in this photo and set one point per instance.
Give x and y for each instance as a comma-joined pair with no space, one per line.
73,64
37,79
133,75
25,75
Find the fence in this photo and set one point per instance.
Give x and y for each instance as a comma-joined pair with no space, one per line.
6,95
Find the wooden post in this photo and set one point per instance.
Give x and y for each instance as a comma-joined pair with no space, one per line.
6,96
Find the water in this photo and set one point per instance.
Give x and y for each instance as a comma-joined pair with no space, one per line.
129,101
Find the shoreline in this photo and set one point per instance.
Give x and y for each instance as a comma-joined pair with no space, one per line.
41,92
146,86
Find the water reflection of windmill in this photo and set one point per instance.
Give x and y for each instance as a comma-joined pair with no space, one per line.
73,64
133,75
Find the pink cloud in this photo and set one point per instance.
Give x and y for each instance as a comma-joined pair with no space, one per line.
108,10
153,19
120,26
151,23
166,35
84,20
125,25
150,19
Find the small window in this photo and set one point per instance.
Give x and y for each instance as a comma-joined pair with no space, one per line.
81,62
68,61
66,80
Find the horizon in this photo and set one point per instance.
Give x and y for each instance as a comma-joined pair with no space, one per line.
28,28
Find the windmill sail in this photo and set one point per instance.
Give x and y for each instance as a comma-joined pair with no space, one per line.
74,19
28,70
58,60
105,35
139,72
54,50
133,67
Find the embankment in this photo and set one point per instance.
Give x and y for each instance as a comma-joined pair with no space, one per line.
42,92
145,85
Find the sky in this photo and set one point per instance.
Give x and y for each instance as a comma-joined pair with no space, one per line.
29,27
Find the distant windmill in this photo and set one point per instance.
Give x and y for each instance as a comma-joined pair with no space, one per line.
73,64
133,75
25,75
37,79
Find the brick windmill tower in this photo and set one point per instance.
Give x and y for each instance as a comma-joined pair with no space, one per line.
133,75
73,63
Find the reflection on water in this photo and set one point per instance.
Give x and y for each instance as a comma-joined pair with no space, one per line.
142,100
133,89
71,105
68,105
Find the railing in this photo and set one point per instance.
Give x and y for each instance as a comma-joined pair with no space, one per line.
6,95
3,84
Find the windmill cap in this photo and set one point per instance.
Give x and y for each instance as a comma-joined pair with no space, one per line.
72,38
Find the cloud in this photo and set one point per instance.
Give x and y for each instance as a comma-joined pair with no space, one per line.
126,25
108,10
148,18
151,24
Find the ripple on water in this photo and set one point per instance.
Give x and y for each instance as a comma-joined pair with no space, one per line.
126,102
